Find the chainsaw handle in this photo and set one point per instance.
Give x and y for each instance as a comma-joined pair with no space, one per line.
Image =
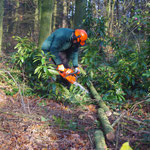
73,73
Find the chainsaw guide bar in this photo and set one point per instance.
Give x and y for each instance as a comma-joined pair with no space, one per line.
70,76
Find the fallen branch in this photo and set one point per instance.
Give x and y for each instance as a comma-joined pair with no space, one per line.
100,140
136,104
118,119
90,139
108,129
98,97
137,132
23,115
132,119
21,96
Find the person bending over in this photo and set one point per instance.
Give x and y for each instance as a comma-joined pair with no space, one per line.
64,44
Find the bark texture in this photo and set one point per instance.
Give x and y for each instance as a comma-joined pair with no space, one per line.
100,140
80,12
98,97
108,129
46,20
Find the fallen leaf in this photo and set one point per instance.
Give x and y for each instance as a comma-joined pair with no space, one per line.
91,108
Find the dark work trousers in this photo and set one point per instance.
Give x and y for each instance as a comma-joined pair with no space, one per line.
65,57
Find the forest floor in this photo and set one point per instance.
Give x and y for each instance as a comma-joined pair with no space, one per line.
58,126
55,125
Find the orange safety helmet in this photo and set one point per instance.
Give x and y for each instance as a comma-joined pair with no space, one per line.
81,36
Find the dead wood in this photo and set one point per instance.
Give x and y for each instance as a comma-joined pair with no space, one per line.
131,119
23,115
100,140
108,129
98,97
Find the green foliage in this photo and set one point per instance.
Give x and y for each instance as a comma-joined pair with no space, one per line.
12,92
130,66
41,75
77,96
59,121
44,69
25,49
12,79
72,125
126,74
95,26
34,63
73,95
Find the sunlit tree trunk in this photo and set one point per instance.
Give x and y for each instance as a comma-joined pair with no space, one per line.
72,14
17,18
1,24
112,18
109,5
36,17
39,9
80,11
108,14
64,21
54,15
94,11
46,20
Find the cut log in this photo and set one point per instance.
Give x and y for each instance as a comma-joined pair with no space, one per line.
98,97
100,140
108,129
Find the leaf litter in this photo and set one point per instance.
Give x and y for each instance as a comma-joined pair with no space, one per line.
57,126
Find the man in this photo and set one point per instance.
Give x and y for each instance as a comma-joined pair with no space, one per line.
64,44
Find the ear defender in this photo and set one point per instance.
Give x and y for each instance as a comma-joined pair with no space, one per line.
78,38
81,36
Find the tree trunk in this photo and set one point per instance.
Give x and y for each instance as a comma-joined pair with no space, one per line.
117,15
64,21
39,9
108,129
109,26
72,14
54,16
15,26
36,18
80,11
100,140
99,99
46,20
1,24
112,19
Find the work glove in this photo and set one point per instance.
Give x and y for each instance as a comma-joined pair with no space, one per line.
61,67
77,70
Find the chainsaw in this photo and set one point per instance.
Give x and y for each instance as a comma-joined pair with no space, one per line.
71,77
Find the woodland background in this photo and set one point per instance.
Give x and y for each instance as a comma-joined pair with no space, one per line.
116,60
